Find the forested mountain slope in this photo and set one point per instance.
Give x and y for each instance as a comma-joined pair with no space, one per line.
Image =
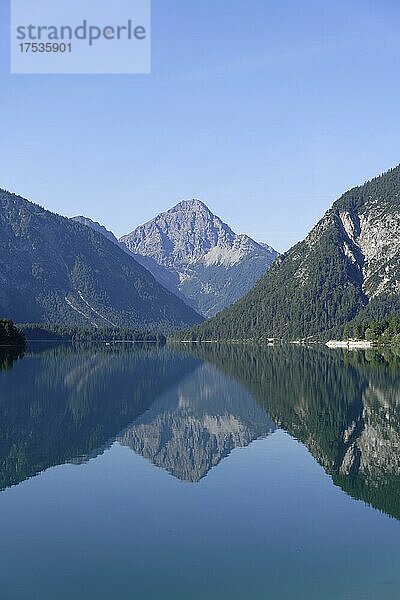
350,260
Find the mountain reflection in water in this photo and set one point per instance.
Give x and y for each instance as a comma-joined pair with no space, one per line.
186,411
195,424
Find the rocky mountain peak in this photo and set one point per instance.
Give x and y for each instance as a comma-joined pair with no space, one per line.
181,235
192,205
195,255
198,251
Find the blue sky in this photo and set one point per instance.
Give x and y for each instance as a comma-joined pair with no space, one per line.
266,110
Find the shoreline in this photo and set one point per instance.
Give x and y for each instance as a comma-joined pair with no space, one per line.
351,344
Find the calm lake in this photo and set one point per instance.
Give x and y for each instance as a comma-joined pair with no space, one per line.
209,473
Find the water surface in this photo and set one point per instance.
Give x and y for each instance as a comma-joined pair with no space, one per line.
221,472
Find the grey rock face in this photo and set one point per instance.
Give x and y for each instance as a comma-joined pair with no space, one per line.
372,242
201,258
